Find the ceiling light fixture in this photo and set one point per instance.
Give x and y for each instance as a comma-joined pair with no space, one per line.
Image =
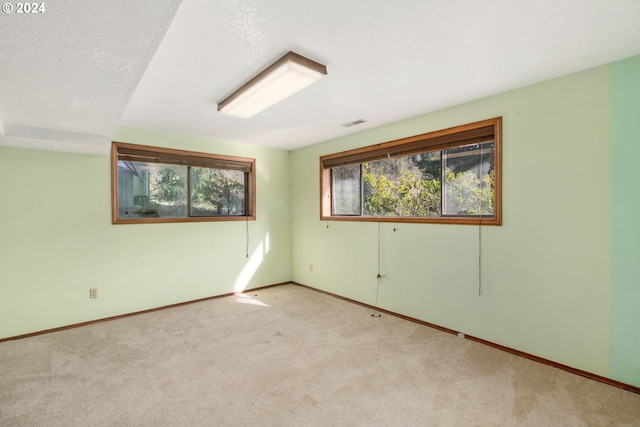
283,78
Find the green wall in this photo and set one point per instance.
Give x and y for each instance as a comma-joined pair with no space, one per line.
546,274
57,240
624,364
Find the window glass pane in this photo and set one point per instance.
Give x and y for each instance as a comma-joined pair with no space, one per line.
217,192
451,176
150,190
469,180
345,183
152,185
404,186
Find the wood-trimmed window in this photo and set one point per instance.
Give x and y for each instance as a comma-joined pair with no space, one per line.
153,184
448,176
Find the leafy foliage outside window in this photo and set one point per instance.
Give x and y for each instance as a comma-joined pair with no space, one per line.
469,180
405,186
411,186
167,190
457,183
167,187
217,192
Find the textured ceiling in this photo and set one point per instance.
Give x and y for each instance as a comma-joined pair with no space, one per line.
77,69
68,73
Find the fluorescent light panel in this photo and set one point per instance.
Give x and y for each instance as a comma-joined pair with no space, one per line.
286,76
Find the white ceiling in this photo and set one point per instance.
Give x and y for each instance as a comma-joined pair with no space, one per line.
72,74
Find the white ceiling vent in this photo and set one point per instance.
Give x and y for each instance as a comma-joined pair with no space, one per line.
353,123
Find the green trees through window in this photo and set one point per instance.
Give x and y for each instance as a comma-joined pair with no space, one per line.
163,185
217,192
445,176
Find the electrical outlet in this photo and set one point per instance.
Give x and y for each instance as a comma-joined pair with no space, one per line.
93,293
310,267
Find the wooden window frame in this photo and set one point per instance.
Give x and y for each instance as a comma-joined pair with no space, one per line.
145,153
481,131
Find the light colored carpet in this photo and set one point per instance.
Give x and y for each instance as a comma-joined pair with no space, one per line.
287,356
